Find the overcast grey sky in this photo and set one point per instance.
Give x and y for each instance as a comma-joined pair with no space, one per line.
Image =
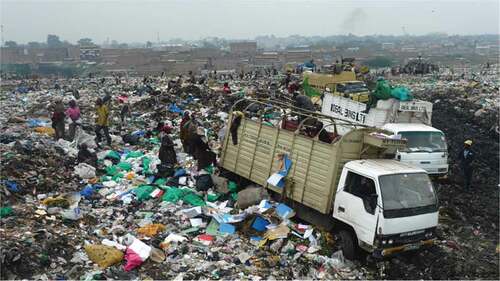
141,20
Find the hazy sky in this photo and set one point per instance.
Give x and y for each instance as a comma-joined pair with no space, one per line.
142,20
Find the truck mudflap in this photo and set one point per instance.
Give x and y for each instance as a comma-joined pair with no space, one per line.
380,253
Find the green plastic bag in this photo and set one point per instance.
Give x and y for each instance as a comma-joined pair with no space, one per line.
118,177
143,192
113,154
209,169
6,211
193,199
212,197
234,196
160,181
232,186
112,170
124,166
174,194
155,141
134,154
145,165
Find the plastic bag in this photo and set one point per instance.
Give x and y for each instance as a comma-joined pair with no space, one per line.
143,192
402,94
104,256
194,199
145,165
113,155
204,182
151,230
134,154
174,194
85,171
124,166
111,170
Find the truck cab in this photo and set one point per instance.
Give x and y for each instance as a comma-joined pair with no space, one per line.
385,206
426,147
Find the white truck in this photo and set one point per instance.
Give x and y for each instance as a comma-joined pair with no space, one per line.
380,205
411,120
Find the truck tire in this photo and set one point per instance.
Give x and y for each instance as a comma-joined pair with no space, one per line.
348,244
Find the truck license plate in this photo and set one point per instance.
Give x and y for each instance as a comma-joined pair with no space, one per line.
412,246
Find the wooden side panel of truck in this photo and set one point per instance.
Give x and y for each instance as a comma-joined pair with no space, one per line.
316,166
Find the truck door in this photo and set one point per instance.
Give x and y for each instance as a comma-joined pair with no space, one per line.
356,204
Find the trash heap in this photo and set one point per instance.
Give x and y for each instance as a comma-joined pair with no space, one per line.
118,219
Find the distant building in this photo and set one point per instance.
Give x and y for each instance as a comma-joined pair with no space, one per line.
387,46
267,59
243,48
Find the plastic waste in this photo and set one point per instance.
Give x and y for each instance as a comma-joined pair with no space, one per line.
104,256
151,229
6,211
85,171
72,214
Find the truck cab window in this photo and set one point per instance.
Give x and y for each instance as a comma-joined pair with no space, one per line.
363,188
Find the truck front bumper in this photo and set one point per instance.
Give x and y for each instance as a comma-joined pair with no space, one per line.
380,253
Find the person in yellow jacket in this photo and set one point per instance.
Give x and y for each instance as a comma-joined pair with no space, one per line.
102,122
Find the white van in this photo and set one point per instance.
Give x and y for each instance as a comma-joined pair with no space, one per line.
426,146
411,119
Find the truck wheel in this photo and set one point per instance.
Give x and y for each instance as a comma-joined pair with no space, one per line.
348,244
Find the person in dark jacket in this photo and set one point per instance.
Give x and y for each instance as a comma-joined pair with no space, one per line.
303,102
466,158
167,152
187,131
201,150
86,156
57,118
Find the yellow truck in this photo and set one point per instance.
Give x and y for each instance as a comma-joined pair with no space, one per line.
382,206
343,84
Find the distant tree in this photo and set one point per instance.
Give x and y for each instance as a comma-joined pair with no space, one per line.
123,46
53,41
115,44
149,44
85,42
34,44
10,44
379,61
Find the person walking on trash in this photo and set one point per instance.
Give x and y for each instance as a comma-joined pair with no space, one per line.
73,112
102,121
58,119
167,153
466,157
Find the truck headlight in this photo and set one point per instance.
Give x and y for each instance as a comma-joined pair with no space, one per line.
390,241
384,242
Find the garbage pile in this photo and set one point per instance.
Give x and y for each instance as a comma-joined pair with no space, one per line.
122,215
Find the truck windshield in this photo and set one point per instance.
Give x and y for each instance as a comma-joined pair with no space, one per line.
424,141
405,194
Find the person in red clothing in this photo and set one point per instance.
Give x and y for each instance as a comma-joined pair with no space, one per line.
226,88
73,112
